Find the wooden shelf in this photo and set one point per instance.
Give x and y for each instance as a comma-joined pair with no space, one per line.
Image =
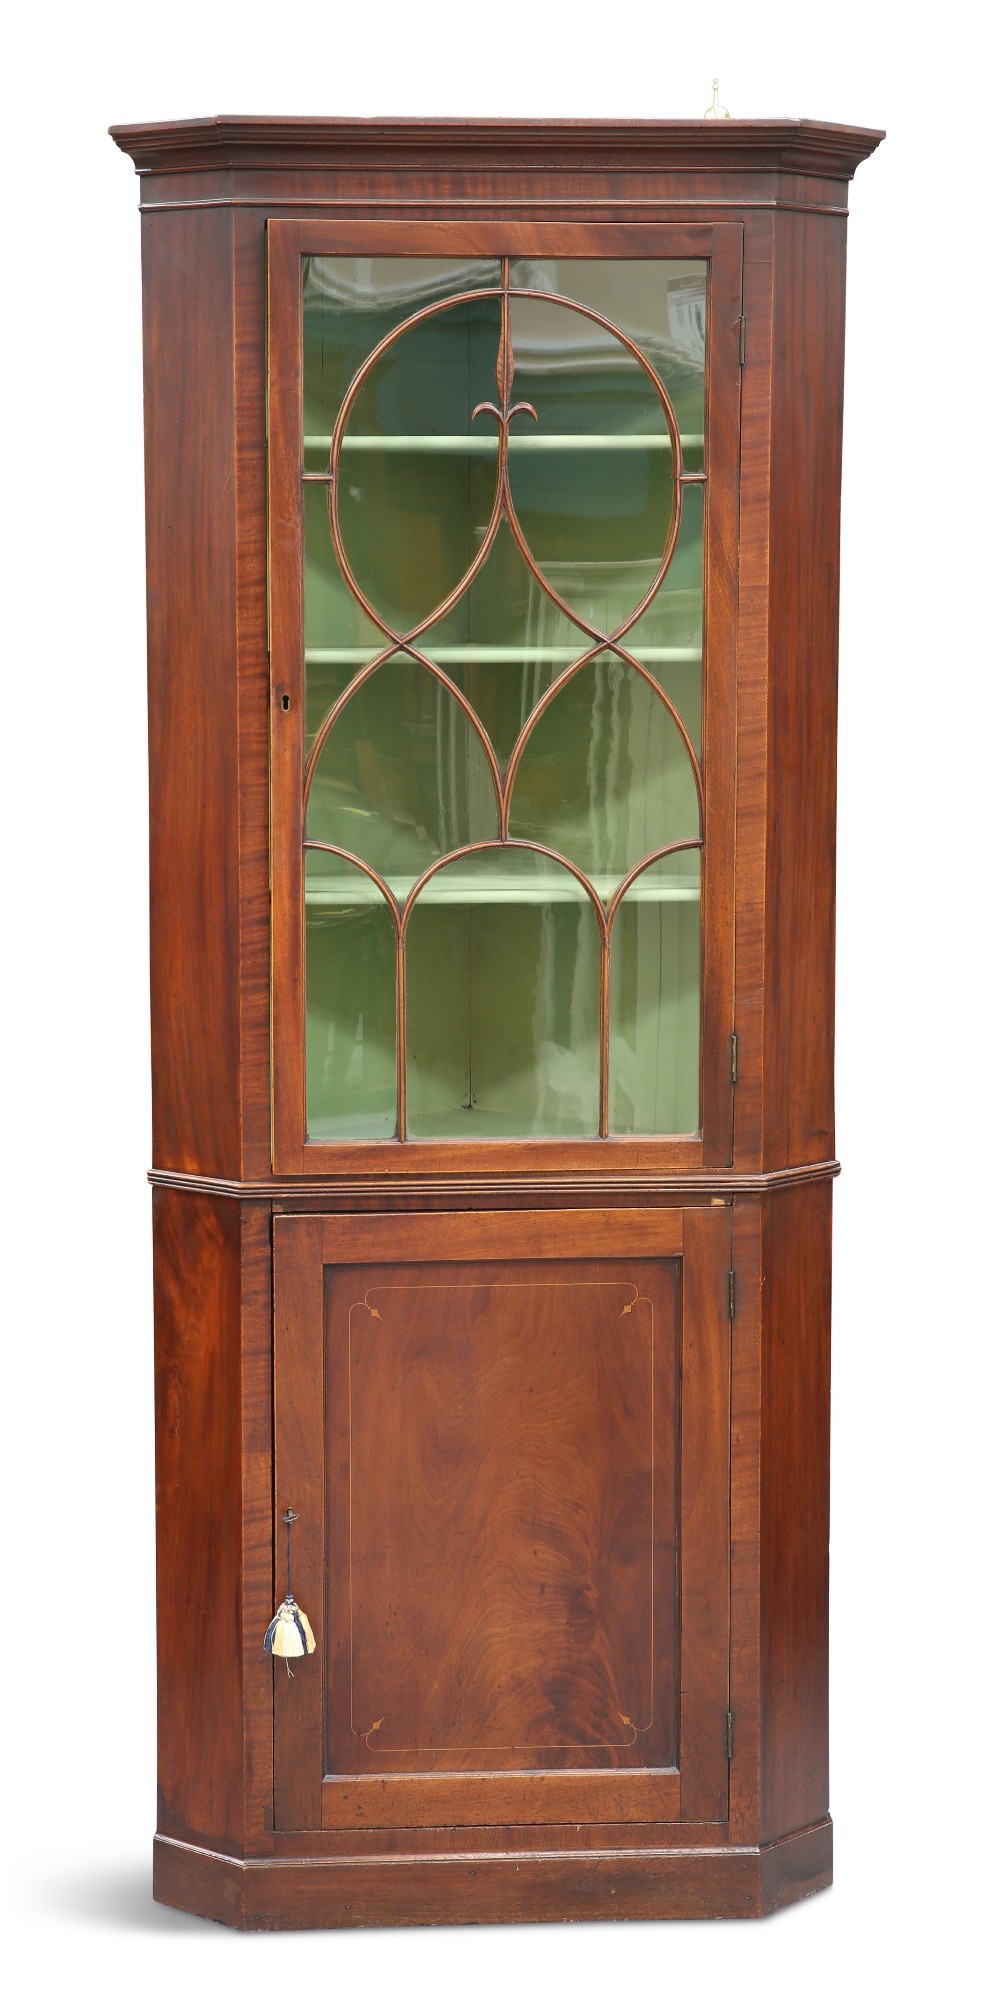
466,888
508,653
486,445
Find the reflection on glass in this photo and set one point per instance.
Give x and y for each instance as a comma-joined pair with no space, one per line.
350,1004
655,1000
605,777
349,305
660,305
504,642
402,777
502,992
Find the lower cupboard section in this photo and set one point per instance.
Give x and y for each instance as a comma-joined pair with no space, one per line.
561,1479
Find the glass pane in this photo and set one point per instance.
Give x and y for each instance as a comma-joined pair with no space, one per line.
350,303
350,1004
502,1002
662,306
656,1001
592,481
503,981
402,777
416,484
504,642
605,777
340,637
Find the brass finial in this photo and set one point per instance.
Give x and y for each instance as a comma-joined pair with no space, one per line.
715,109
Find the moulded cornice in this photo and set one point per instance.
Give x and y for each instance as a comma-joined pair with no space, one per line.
788,145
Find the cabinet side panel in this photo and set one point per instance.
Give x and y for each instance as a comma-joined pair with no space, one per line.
804,582
196,1272
795,1508
190,579
251,651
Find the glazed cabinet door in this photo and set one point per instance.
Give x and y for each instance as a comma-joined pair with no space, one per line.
503,470
506,1437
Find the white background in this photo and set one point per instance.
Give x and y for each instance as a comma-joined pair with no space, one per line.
915,1725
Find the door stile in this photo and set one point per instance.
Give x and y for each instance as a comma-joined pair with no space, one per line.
286,649
704,1528
723,391
300,1451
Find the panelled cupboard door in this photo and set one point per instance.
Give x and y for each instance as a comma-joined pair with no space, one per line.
503,466
506,1437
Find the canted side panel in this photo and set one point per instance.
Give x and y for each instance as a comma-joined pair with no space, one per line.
803,601
795,1509
250,314
196,1270
190,553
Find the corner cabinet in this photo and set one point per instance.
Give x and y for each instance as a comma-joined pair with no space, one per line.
492,526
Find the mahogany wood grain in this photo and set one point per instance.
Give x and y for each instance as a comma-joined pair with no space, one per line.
199,1548
248,1814
414,1890
794,1509
704,1520
508,1380
511,1431
299,1452
751,692
744,1681
257,1585
581,164
635,1189
190,553
252,674
795,1867
471,1235
804,585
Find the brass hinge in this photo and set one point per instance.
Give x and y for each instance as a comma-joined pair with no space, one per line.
729,1734
732,1295
734,1057
742,329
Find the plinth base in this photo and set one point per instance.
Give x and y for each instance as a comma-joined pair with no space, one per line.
402,1891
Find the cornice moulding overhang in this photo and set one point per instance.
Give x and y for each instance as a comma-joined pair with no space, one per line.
737,145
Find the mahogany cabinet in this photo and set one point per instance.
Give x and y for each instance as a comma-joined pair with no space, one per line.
492,527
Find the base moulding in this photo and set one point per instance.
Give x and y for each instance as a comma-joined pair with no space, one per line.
410,1890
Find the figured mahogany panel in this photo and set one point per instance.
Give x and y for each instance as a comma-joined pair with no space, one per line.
512,1481
509,1535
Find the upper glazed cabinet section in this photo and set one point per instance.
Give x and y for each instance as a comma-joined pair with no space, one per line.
511,892
503,508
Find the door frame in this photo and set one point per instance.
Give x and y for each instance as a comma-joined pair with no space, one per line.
288,241
697,1788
